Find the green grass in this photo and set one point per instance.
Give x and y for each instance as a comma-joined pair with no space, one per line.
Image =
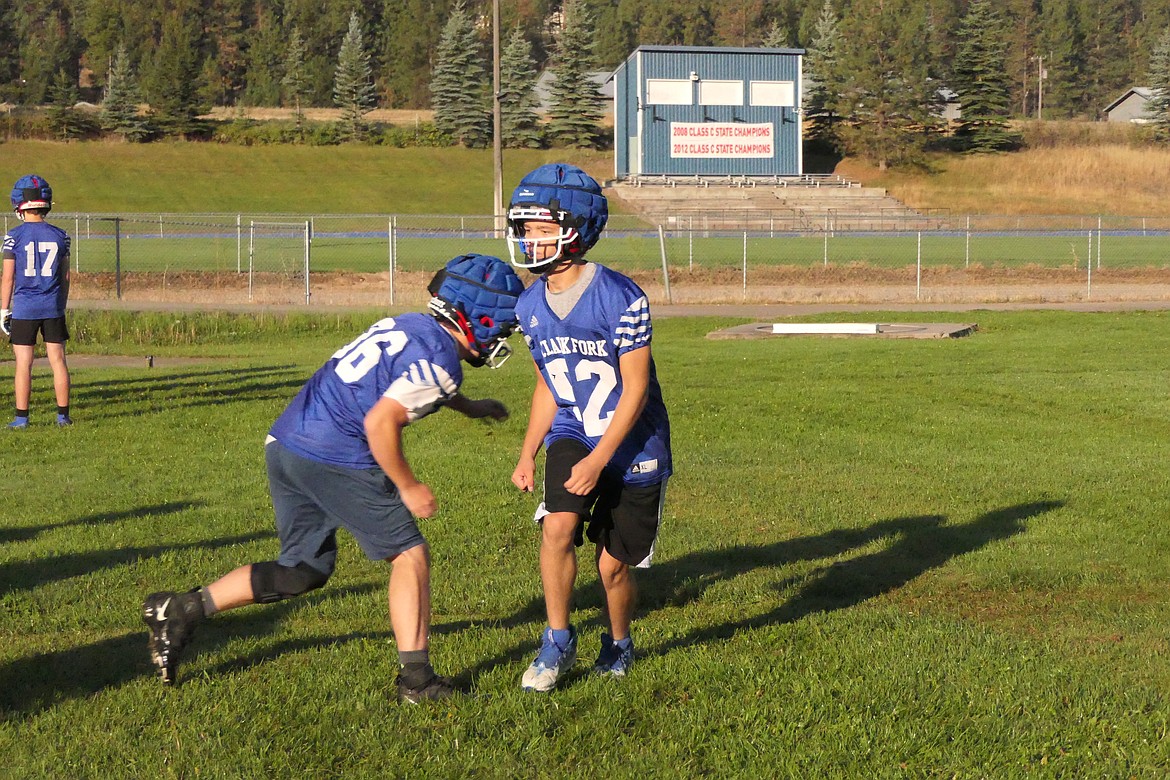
880,558
207,178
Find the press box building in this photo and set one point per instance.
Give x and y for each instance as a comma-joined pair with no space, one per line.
708,111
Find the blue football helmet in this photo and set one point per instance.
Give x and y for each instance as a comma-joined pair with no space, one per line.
561,194
31,192
477,294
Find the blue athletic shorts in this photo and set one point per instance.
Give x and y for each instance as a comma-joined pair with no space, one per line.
312,500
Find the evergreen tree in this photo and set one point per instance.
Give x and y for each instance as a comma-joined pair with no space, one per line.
885,94
459,85
46,43
1062,46
119,113
408,58
353,86
265,55
294,83
981,80
64,119
1158,79
174,84
518,118
575,113
777,37
822,81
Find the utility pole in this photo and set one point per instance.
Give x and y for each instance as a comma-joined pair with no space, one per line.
497,141
1040,74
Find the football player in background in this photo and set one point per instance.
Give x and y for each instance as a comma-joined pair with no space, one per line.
597,409
34,290
335,460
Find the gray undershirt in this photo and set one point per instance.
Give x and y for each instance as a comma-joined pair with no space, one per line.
563,302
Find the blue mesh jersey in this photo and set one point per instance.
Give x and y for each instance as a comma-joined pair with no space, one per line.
410,358
41,255
578,358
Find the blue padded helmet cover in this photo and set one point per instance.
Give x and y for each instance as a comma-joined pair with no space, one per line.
485,289
572,196
31,189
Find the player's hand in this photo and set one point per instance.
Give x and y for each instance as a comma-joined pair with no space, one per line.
6,321
419,500
583,478
487,407
524,475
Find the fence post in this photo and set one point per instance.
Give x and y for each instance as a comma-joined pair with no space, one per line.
390,254
967,261
826,252
745,265
308,243
1098,243
118,256
251,254
665,272
918,286
76,250
1089,266
239,243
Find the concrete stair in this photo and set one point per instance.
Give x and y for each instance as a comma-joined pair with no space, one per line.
801,206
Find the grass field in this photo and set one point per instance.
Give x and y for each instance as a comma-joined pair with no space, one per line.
880,558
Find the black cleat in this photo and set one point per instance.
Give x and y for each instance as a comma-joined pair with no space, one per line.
172,618
435,688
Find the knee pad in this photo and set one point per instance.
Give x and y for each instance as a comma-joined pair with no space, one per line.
273,582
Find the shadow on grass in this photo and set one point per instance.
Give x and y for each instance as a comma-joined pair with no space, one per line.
916,545
26,575
8,535
30,685
170,392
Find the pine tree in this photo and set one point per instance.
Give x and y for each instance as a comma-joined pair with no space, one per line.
981,80
408,59
518,118
265,54
777,37
459,85
174,82
119,113
885,89
575,113
64,119
1158,79
822,81
1062,45
353,86
294,83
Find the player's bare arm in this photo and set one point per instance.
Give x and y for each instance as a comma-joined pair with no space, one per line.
478,409
542,411
384,425
635,370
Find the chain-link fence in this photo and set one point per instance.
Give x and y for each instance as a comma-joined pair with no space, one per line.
722,257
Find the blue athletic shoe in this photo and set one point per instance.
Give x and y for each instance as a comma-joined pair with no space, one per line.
615,658
551,662
18,423
64,420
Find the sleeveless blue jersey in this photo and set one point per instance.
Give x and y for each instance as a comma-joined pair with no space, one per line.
41,255
578,358
410,358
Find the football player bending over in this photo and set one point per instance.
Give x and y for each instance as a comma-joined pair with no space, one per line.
335,460
597,410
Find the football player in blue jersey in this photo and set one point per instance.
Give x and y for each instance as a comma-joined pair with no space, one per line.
597,410
335,460
33,292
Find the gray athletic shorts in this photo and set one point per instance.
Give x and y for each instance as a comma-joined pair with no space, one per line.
312,500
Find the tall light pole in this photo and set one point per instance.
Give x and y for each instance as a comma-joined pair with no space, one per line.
1040,74
497,141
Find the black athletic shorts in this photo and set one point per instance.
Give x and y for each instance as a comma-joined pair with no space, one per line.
24,332
623,519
